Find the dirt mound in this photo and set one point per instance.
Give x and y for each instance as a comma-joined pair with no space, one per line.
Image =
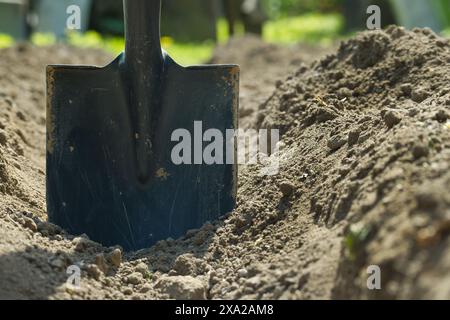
364,157
368,141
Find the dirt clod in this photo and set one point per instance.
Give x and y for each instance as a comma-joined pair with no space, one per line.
392,118
287,188
182,288
334,143
142,268
441,116
419,95
30,224
116,257
353,137
100,262
135,278
420,150
94,271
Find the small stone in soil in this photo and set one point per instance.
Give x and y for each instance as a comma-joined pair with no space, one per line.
426,200
101,262
353,137
145,288
406,89
286,188
81,243
30,224
94,271
242,273
418,95
116,257
392,118
184,264
420,150
57,262
127,291
142,268
182,288
441,116
134,278
48,229
336,143
3,138
344,93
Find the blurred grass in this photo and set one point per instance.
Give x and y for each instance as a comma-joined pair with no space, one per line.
222,30
6,41
446,33
311,28
43,39
183,53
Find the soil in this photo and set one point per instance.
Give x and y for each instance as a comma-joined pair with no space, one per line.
364,180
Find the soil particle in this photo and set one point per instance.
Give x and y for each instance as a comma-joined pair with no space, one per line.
100,262
441,116
182,288
3,137
48,229
406,88
142,268
392,118
93,271
116,257
185,265
426,200
287,188
242,273
135,278
127,291
30,224
353,137
83,243
420,150
420,94
57,262
368,50
336,142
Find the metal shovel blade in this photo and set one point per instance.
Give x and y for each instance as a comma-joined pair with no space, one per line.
110,168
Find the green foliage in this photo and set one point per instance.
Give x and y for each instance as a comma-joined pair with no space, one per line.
222,30
446,33
283,8
311,27
190,53
445,8
43,39
183,53
6,41
355,238
90,39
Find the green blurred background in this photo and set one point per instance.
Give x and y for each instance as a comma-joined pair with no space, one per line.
192,28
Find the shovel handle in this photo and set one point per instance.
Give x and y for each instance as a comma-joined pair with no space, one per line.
143,65
142,30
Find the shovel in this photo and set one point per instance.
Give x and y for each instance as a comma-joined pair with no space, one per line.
110,141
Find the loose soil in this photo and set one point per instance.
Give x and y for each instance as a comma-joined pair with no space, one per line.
364,179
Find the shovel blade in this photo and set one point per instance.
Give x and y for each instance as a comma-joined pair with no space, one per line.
92,184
